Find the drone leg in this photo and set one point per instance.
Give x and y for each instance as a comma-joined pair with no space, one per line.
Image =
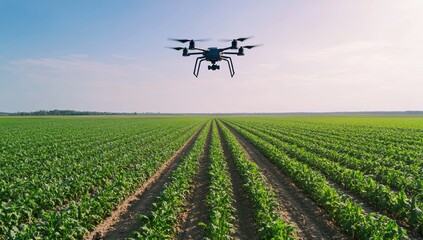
230,64
197,70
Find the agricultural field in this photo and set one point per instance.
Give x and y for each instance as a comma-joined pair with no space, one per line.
211,178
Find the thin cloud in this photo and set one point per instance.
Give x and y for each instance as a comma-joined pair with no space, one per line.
75,67
269,66
79,56
343,49
122,57
376,61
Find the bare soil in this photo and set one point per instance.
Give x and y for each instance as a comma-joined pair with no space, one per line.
123,220
310,221
367,208
307,217
245,226
196,209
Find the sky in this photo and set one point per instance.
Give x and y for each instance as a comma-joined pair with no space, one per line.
317,56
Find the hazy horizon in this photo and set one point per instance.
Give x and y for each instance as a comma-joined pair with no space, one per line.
109,56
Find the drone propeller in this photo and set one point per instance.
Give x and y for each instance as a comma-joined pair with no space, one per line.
237,39
251,46
176,48
188,40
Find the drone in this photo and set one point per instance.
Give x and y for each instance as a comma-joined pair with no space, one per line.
212,54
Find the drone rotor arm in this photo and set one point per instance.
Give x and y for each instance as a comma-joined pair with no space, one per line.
234,53
200,49
224,49
195,53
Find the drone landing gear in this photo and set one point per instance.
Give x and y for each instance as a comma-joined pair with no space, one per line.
197,69
213,67
230,65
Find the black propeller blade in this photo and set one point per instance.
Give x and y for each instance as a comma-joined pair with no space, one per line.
242,39
176,48
251,46
202,40
237,39
187,40
179,40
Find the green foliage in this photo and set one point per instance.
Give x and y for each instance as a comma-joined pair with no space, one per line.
348,214
262,197
220,198
397,204
160,223
69,173
59,177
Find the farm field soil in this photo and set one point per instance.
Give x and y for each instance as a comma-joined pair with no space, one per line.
196,207
123,220
309,220
215,178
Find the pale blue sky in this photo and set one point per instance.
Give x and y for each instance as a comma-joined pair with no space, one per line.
363,55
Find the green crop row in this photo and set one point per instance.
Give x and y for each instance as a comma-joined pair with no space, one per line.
74,220
392,136
116,171
389,171
358,143
346,212
220,198
71,183
396,204
161,222
57,167
400,144
265,205
404,131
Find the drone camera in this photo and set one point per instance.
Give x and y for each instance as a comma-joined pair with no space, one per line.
214,67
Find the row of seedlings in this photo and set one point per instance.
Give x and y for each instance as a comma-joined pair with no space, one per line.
395,174
263,198
161,222
75,219
348,214
398,205
220,199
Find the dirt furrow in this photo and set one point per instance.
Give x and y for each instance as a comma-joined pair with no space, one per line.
245,226
197,210
369,208
309,219
123,220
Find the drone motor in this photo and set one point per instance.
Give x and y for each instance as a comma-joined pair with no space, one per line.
241,51
191,45
234,44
